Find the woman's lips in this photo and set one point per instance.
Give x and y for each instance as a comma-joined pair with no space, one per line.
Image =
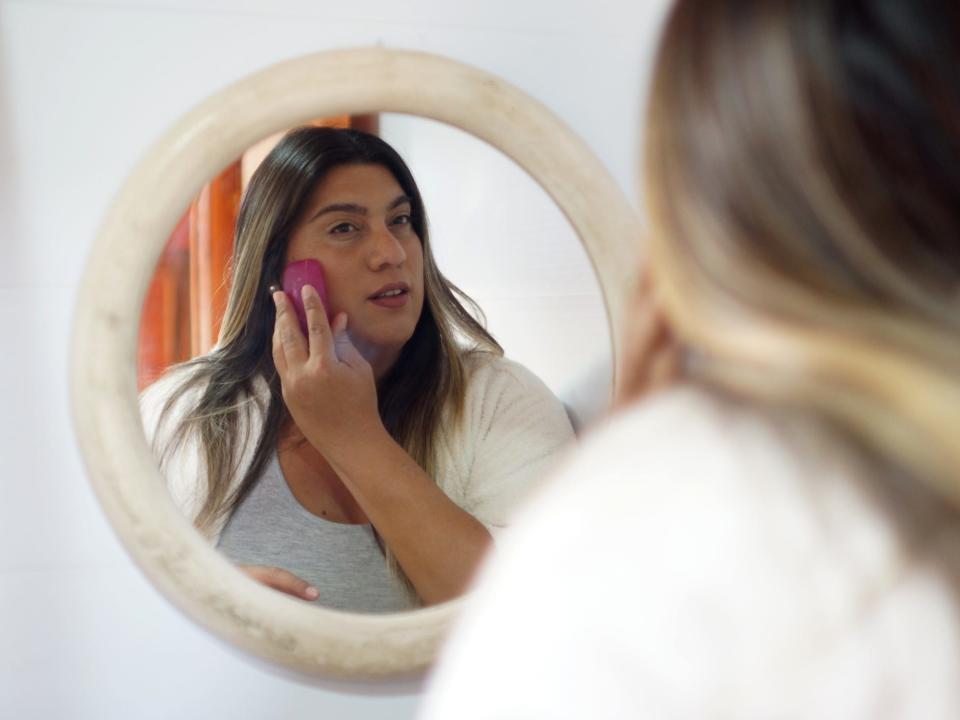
392,299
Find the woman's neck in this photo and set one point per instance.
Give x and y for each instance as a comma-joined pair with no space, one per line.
381,359
383,364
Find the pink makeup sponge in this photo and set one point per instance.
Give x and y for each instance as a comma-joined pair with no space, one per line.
298,274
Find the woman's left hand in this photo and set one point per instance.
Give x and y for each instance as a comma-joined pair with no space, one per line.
327,385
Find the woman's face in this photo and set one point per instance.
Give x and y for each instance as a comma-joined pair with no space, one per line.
357,225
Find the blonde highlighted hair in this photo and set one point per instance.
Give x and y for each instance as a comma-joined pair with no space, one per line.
802,176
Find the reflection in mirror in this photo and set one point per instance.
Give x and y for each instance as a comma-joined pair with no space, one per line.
366,463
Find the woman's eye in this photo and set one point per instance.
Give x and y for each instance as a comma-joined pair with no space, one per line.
343,227
402,220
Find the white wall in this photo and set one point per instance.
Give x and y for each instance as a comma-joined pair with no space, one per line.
499,237
84,88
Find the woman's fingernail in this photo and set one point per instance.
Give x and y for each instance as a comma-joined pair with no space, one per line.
312,593
276,298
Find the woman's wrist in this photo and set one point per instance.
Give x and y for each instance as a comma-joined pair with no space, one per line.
356,450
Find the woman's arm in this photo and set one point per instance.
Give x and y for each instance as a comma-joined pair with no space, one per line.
438,544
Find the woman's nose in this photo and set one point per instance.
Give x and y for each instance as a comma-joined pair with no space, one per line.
386,249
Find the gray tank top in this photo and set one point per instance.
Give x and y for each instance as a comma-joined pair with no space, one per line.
343,561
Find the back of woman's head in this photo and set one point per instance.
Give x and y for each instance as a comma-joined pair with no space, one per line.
803,179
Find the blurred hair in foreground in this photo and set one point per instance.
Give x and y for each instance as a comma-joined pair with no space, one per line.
777,535
802,170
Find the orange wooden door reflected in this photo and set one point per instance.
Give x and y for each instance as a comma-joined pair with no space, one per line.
213,219
165,323
188,293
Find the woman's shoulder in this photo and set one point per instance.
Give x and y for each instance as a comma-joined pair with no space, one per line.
689,446
165,401
169,381
176,393
687,429
494,381
772,520
511,433
501,391
485,369
721,560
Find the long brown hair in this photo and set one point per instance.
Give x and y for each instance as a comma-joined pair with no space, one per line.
425,387
802,175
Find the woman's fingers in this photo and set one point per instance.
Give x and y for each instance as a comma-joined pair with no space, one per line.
319,336
288,341
282,580
664,368
279,360
651,353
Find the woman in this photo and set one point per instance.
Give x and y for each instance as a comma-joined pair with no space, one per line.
776,535
381,433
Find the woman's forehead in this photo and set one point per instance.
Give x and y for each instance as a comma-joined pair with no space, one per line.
367,186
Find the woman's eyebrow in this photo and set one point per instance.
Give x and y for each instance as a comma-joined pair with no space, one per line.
339,207
358,209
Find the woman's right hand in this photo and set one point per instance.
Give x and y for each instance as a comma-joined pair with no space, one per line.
325,365
651,354
282,580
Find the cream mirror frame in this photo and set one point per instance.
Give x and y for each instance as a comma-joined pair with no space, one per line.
124,474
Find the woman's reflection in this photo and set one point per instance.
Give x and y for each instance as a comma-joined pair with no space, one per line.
394,431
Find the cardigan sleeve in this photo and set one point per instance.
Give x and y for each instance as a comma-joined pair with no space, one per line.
514,432
180,464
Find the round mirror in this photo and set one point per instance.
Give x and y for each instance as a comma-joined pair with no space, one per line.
126,478
494,233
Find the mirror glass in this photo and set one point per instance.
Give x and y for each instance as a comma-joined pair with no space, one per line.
498,237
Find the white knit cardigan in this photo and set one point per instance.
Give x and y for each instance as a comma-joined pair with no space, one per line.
694,561
512,432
